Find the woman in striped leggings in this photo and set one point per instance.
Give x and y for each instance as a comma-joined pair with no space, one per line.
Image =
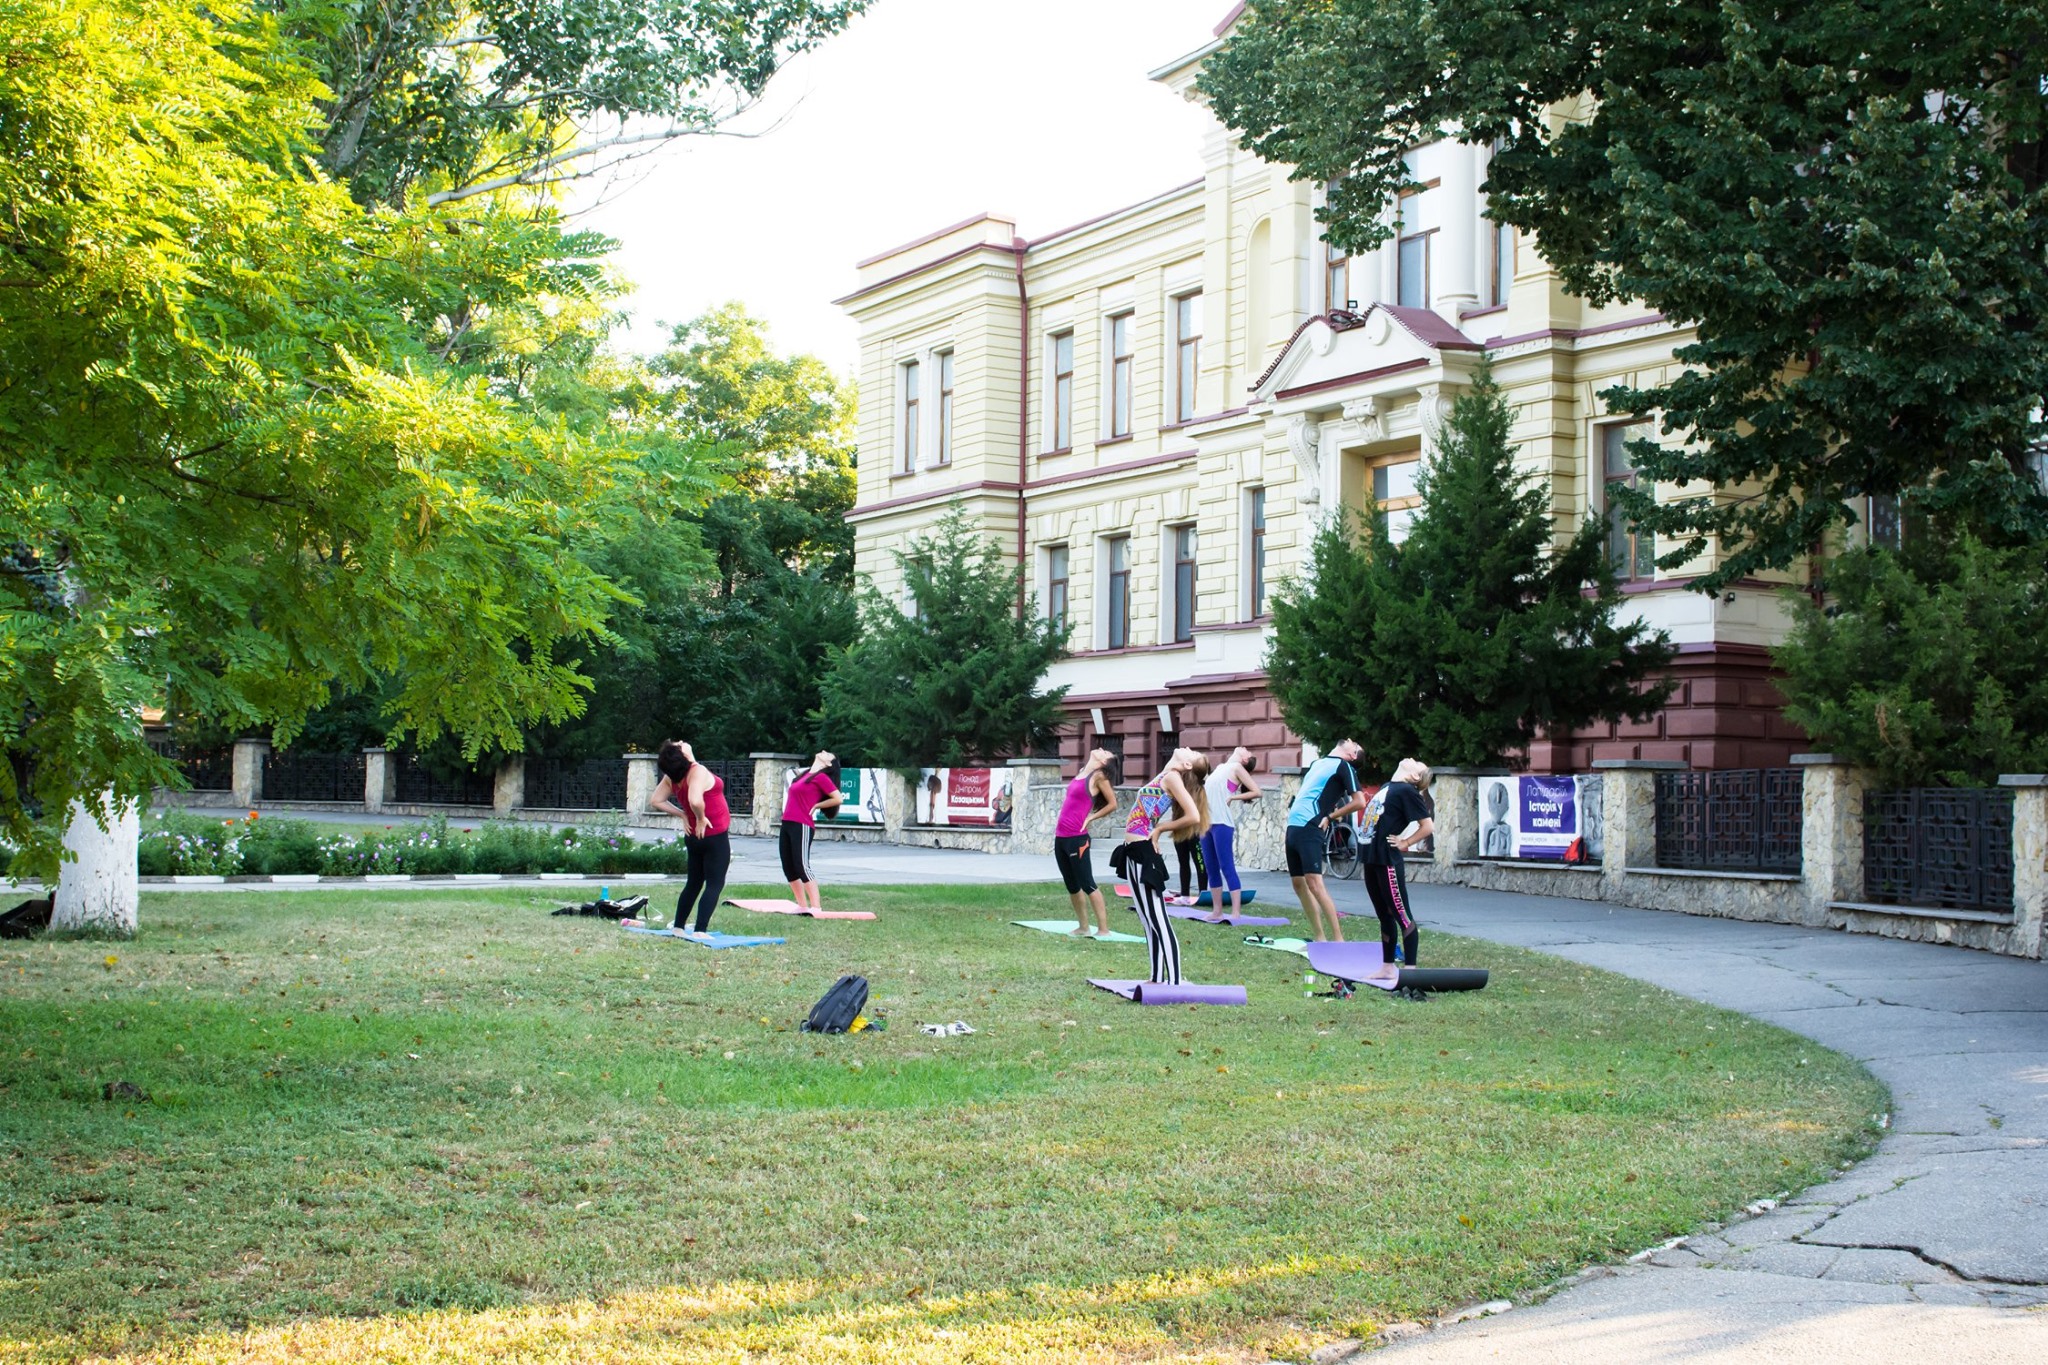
1170,802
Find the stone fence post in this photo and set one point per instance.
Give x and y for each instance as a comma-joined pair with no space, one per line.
380,780
642,777
1035,795
508,787
248,770
2030,860
1455,794
768,788
1831,831
1628,815
1262,824
896,808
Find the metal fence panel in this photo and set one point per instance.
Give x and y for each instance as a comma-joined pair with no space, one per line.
293,776
576,784
1740,820
1941,848
422,785
738,774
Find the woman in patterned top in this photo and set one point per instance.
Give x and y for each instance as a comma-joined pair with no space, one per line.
1169,803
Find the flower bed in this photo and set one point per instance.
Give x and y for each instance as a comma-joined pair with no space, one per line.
179,844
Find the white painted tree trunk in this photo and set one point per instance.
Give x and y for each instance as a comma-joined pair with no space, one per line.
98,886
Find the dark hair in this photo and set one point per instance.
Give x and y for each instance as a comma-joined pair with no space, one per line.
673,762
1251,763
832,770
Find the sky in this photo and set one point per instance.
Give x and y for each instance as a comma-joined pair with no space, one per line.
923,113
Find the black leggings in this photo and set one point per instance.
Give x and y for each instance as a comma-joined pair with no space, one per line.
1387,884
710,861
1191,851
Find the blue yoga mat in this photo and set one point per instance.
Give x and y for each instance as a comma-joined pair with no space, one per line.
713,940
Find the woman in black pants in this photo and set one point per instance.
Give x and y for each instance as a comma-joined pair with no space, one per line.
692,791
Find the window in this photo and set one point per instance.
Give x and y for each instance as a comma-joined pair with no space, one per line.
1187,354
1119,604
917,582
1633,552
1336,277
945,407
1395,491
906,453
1056,584
1063,391
1503,269
1183,584
1882,522
1257,557
1412,288
1120,375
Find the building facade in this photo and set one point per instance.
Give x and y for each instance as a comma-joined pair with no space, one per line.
1153,409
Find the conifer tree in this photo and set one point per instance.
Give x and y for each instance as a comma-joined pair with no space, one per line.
1460,643
954,680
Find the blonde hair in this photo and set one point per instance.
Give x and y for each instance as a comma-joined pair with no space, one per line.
1412,771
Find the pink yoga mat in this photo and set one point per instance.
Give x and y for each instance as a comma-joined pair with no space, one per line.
1183,912
792,908
1352,961
1159,993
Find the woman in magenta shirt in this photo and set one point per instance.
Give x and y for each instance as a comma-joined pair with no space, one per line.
815,790
1090,796
692,791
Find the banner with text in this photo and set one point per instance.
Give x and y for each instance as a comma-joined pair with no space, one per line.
962,796
861,788
1539,817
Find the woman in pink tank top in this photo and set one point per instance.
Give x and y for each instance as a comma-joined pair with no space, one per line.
1090,796
692,791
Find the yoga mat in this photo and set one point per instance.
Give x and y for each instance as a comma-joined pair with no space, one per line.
1444,978
1244,897
1202,917
792,908
1159,993
1065,927
1279,945
1352,962
711,940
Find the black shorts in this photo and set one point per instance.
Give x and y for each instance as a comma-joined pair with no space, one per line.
795,845
1307,846
1077,868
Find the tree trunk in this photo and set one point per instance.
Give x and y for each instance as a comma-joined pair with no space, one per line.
97,888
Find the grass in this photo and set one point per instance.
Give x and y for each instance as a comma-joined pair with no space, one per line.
394,1125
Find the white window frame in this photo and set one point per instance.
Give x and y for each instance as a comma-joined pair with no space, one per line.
1129,317
1247,597
1177,396
908,429
1103,544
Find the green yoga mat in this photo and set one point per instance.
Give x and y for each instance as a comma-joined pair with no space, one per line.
1297,946
1065,929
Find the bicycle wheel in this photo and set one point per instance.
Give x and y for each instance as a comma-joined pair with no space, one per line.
1343,856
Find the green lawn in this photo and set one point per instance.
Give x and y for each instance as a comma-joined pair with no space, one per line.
404,1125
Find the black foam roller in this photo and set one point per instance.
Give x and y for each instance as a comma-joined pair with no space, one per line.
1444,978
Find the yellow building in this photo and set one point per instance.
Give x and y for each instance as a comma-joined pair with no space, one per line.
1153,408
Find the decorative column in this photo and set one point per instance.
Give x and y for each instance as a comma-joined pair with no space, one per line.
1454,256
98,886
1831,832
1454,792
1035,795
508,787
1628,815
769,788
642,777
380,780
248,778
2030,861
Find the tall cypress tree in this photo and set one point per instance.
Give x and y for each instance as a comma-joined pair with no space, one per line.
1478,630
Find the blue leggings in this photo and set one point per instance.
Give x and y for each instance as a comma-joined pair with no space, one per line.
1219,855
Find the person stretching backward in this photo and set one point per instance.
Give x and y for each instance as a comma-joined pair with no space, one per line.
692,791
1226,787
1396,819
1090,797
1169,803
1329,792
816,790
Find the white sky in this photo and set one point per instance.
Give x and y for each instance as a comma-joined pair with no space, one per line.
923,113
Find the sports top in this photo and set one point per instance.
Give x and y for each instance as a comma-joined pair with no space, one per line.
1326,785
1074,809
805,794
1219,789
1155,804
717,816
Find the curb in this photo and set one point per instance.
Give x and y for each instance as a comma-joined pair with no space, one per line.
413,878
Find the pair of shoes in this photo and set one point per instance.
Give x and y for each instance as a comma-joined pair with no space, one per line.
1410,993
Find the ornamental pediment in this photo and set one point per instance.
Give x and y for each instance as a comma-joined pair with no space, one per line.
1341,349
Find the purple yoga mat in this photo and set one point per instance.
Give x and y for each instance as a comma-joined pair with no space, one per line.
1158,993
1352,961
1183,912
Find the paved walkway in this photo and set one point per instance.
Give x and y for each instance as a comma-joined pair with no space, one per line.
1937,1246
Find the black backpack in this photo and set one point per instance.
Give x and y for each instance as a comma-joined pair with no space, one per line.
840,1006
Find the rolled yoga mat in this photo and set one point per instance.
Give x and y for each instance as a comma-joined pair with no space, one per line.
1065,929
1160,993
792,908
1443,978
1355,962
1201,916
713,940
1244,897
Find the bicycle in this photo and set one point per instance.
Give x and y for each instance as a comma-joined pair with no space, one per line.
1342,858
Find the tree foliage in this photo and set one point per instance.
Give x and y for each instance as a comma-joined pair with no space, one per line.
1459,643
1844,198
954,680
1924,664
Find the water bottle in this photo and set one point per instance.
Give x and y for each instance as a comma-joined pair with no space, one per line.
604,893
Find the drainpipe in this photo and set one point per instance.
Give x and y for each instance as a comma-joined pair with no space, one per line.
1017,249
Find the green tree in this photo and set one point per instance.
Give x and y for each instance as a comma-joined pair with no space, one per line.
1924,664
956,679
1844,198
1459,643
